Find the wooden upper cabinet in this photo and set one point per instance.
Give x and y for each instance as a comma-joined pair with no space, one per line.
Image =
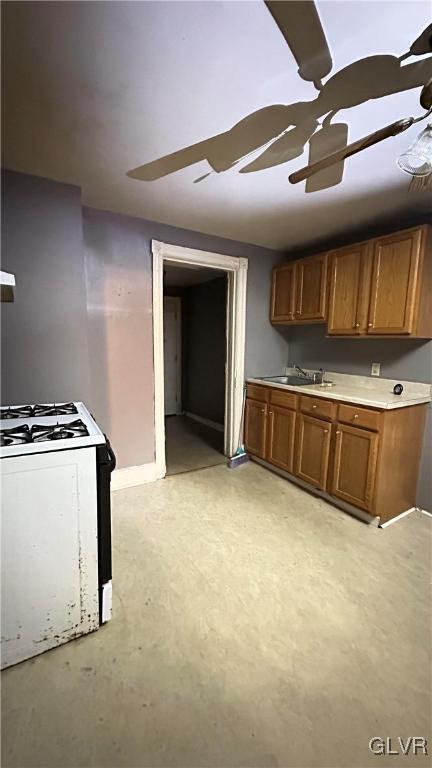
283,293
355,466
394,286
311,289
312,450
256,427
349,272
299,291
281,434
382,287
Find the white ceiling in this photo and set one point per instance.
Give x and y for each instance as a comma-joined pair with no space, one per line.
95,89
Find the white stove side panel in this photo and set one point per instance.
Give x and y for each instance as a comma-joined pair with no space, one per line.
49,562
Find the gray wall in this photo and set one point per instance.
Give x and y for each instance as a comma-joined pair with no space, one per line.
81,325
204,349
44,331
400,358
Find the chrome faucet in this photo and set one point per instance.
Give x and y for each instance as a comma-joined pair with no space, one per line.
317,377
300,370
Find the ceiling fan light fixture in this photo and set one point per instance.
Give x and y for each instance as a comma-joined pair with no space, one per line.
417,160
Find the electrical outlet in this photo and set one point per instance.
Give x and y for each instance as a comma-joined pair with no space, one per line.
375,369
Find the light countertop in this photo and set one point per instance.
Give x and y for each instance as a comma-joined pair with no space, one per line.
361,390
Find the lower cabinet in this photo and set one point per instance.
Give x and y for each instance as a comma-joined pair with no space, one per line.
367,458
280,438
256,427
355,466
312,450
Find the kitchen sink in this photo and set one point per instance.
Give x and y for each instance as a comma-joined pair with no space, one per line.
294,381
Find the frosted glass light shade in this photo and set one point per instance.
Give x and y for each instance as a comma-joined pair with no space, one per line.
417,160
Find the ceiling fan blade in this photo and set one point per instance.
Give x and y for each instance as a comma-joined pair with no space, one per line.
423,44
357,146
301,27
331,138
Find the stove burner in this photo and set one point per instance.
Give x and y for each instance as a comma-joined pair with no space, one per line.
15,436
30,411
20,412
42,432
54,410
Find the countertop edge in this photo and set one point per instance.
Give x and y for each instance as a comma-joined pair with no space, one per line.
328,393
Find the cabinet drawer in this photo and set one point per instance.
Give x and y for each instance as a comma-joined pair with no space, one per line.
359,417
284,399
316,406
255,392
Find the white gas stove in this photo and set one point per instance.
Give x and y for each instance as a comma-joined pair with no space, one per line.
40,428
55,467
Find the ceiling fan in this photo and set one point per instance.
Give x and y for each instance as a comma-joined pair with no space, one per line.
423,167
279,133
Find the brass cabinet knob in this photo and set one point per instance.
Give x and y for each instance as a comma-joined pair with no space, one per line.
314,406
355,416
370,325
356,325
338,431
325,431
262,410
270,413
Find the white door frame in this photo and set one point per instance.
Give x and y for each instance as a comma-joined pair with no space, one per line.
176,300
236,270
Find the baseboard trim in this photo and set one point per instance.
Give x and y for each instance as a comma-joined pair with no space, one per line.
398,517
127,477
425,512
207,422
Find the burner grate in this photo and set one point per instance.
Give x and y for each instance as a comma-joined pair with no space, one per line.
32,411
15,436
54,409
11,412
42,432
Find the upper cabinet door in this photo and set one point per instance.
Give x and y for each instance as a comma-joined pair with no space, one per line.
348,271
311,288
395,270
283,292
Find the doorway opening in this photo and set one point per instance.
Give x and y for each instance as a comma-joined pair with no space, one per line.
199,313
195,300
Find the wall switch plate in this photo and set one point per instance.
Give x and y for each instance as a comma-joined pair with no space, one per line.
375,369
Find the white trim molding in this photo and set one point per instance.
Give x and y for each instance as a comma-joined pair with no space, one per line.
398,517
236,269
127,477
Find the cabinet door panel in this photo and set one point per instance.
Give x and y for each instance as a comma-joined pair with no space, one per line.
394,283
355,466
255,427
283,291
346,278
312,450
281,433
311,288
